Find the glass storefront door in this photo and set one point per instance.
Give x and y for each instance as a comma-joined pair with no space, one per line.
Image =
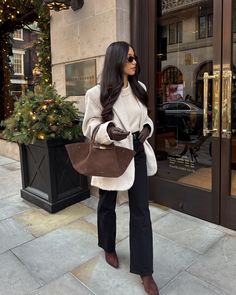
195,88
184,53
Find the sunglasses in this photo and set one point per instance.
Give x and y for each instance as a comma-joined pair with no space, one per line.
132,58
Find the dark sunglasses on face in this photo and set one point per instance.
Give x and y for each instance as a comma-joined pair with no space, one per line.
132,58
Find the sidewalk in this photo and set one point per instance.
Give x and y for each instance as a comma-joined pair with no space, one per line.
57,254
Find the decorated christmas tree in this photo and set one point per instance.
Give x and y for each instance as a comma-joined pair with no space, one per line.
42,116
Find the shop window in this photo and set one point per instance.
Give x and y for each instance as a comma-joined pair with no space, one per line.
18,34
202,27
18,63
205,24
175,33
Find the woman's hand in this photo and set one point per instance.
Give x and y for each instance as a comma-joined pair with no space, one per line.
116,133
144,134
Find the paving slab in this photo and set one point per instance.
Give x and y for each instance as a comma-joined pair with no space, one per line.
186,284
57,252
218,265
192,218
122,219
225,230
91,202
40,222
10,167
12,234
187,232
169,260
64,285
84,226
102,279
10,184
12,205
15,279
5,160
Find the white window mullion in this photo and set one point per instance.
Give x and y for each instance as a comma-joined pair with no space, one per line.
18,35
18,62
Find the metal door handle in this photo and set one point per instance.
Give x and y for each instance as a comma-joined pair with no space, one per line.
226,103
215,103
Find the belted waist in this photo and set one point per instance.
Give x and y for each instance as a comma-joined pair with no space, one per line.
135,135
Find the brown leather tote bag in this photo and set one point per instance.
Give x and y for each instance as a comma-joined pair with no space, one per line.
94,159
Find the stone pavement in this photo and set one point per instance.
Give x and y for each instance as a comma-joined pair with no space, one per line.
47,254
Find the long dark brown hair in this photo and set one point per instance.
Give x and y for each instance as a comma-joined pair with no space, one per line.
112,78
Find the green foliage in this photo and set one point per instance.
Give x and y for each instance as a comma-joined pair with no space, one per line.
15,14
42,116
43,46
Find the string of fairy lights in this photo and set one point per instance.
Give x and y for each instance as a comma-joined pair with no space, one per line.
12,12
15,14
3,14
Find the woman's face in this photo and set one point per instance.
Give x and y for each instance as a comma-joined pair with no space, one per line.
130,66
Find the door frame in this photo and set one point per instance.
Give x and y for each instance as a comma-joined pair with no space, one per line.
228,202
143,37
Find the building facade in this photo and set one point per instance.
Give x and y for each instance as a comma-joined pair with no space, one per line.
23,60
186,50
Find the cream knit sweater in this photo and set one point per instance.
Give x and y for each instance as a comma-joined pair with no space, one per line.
133,110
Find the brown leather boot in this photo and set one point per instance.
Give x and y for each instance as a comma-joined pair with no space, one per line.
149,285
112,259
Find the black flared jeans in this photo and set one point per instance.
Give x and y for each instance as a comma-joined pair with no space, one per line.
141,241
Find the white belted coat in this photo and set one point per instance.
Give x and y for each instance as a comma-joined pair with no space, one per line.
93,117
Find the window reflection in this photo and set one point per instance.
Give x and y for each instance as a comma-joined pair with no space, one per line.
184,53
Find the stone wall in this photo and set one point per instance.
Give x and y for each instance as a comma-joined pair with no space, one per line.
84,34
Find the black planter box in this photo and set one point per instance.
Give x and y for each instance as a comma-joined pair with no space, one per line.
48,178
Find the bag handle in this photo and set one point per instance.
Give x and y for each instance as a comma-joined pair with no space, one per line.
95,130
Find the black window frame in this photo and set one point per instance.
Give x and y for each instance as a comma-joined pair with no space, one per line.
175,32
207,30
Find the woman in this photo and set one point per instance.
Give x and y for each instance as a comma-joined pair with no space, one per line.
119,104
